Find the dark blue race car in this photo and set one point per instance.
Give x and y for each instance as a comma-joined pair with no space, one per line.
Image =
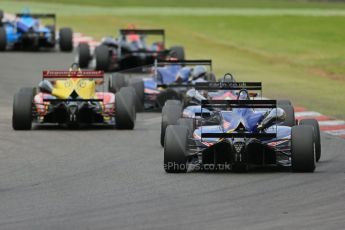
164,81
26,32
235,134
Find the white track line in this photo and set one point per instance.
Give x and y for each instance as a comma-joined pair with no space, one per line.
332,123
307,114
336,132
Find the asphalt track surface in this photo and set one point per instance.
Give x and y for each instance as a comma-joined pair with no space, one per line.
109,179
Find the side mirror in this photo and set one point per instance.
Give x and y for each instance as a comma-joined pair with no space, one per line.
45,86
275,116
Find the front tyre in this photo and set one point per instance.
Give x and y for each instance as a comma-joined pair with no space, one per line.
290,114
138,85
315,124
102,58
177,52
125,113
84,55
170,115
66,39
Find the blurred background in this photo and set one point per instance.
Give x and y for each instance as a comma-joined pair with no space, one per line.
295,47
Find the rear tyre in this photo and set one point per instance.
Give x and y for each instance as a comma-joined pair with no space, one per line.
66,39
177,52
22,109
84,55
125,113
138,86
117,82
317,138
170,115
175,149
3,39
102,58
290,115
302,149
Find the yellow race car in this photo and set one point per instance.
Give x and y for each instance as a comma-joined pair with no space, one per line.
72,98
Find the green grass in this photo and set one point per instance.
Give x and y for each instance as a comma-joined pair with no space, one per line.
297,56
206,3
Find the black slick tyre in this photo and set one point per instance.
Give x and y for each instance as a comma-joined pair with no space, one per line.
138,86
290,115
175,149
315,124
125,113
302,149
177,52
84,55
3,39
170,116
22,109
66,39
102,58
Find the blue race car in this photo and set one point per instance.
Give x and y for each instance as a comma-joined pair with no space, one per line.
26,32
240,133
167,80
226,89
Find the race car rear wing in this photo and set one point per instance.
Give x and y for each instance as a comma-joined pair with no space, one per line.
53,16
192,62
45,16
238,135
212,86
269,104
224,104
71,99
72,74
228,86
142,31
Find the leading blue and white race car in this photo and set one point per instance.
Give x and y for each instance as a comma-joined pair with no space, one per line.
236,134
27,32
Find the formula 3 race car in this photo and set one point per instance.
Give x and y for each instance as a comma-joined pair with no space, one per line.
241,133
26,32
127,51
165,80
70,98
225,89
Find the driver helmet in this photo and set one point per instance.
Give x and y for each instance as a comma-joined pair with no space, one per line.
199,71
243,95
132,37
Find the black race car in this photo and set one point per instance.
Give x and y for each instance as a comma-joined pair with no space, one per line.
129,50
